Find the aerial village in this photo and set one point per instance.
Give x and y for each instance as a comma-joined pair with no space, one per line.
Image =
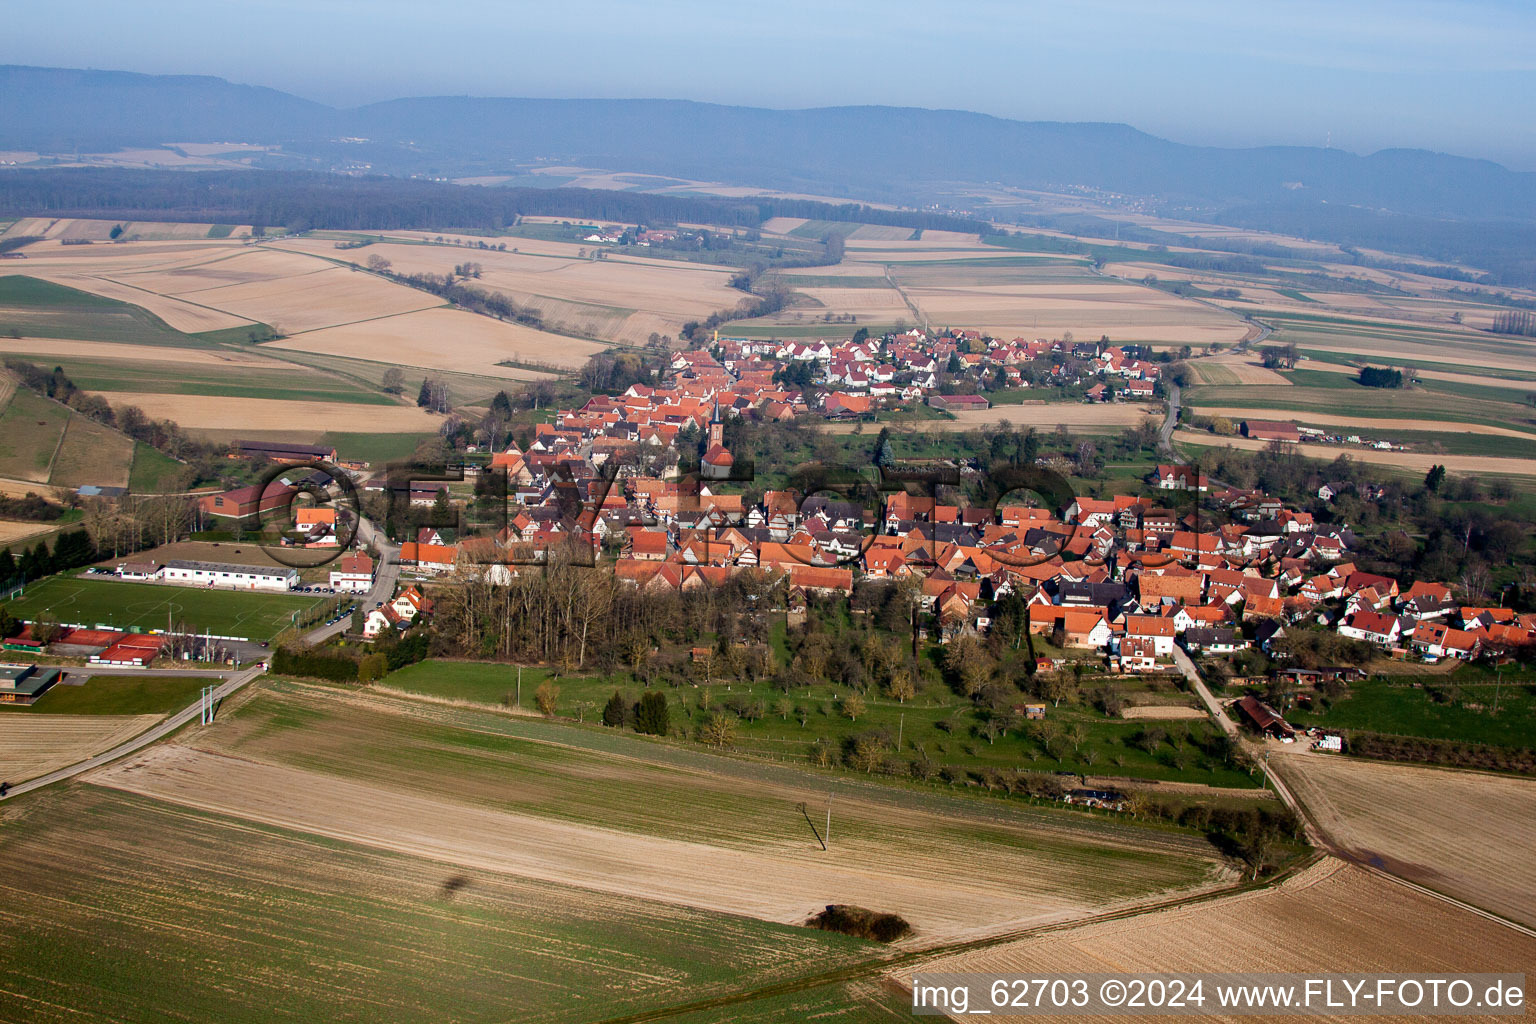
1127,576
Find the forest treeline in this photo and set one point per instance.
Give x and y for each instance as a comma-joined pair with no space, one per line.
301,200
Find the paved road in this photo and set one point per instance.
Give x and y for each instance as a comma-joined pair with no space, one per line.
144,739
388,572
1165,435
1212,705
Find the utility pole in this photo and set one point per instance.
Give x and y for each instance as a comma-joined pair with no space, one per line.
1498,685
519,687
900,724
829,820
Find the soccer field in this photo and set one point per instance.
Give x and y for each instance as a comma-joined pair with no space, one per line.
146,606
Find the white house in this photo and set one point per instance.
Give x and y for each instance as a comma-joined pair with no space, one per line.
353,574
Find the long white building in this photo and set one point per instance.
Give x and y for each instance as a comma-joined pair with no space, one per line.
234,577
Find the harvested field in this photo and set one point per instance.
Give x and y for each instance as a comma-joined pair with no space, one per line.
1472,464
112,905
1479,379
180,314
778,887
1163,712
92,454
207,412
13,530
233,360
312,301
599,297
31,428
448,339
1332,918
783,225
1309,416
1231,370
1102,418
670,823
33,745
1396,816
881,233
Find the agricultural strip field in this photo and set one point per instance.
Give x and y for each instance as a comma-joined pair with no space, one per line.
226,418
619,299
1396,815
92,454
1415,462
256,378
447,339
1082,417
1379,341
34,741
1411,408
619,814
111,904
1332,917
41,309
31,428
1047,301
145,606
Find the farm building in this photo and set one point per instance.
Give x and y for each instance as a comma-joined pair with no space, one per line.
279,451
1264,719
222,574
244,502
1271,430
23,684
958,403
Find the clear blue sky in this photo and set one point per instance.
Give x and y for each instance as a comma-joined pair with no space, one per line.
1457,77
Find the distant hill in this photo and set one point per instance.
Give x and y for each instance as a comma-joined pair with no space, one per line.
895,154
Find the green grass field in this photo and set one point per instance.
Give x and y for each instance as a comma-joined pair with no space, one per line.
121,908
117,695
153,471
30,430
1428,404
297,384
42,309
937,723
145,606
92,454
1457,707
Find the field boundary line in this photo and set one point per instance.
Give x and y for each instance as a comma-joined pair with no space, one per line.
54,458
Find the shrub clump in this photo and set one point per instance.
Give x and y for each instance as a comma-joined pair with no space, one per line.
861,923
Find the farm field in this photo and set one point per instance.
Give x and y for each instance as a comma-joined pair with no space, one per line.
620,299
1457,708
145,606
31,428
1396,815
14,530
1082,417
1411,408
37,740
227,418
35,308
1332,917
639,811
447,339
127,899
1416,462
233,378
92,454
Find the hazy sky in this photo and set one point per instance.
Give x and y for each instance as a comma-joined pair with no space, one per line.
1457,77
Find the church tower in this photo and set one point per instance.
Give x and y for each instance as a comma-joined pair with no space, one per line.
716,429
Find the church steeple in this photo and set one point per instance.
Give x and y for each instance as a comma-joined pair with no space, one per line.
716,429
